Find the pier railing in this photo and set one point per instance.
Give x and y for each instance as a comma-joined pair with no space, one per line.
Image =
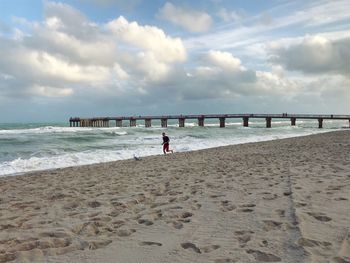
105,121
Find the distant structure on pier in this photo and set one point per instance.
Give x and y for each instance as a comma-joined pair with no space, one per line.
105,121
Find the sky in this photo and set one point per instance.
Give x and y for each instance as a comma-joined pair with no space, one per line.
89,58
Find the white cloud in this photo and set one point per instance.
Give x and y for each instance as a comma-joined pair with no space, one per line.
191,20
149,38
57,57
154,51
221,75
46,91
314,54
225,60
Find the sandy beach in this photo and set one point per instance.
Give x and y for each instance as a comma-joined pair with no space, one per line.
277,201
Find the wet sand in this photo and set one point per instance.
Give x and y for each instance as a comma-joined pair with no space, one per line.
278,201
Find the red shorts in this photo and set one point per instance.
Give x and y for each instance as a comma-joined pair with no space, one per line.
166,147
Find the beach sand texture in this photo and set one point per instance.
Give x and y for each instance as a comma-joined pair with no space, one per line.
278,201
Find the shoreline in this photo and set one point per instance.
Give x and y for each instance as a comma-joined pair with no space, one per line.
160,154
283,200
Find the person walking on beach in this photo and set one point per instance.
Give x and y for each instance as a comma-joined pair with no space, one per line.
166,141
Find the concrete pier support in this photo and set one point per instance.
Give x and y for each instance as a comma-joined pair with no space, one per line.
320,123
268,122
245,121
164,123
119,123
182,122
201,121
222,122
132,123
293,121
148,123
349,123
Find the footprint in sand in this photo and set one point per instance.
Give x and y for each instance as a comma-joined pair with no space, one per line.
185,217
335,187
210,248
305,242
262,256
246,208
243,237
191,246
94,204
281,212
125,232
150,243
271,225
217,195
264,243
340,199
177,225
99,244
227,206
248,205
145,222
320,217
269,196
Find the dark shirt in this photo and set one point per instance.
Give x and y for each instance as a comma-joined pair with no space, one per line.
166,139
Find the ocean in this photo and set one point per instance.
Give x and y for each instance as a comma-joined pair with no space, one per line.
26,147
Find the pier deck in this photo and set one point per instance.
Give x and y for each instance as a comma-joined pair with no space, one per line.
105,121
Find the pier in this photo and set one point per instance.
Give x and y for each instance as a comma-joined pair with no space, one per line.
106,121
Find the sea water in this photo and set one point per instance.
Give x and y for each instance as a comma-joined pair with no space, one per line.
28,147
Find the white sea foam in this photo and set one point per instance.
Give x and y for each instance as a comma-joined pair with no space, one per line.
126,145
52,129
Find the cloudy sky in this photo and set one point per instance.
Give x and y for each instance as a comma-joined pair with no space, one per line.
116,57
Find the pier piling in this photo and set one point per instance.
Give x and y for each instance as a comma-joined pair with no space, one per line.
181,122
148,123
119,123
222,122
320,123
268,122
245,121
164,122
292,121
132,122
201,121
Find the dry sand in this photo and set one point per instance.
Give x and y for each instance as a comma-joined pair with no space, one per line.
277,201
